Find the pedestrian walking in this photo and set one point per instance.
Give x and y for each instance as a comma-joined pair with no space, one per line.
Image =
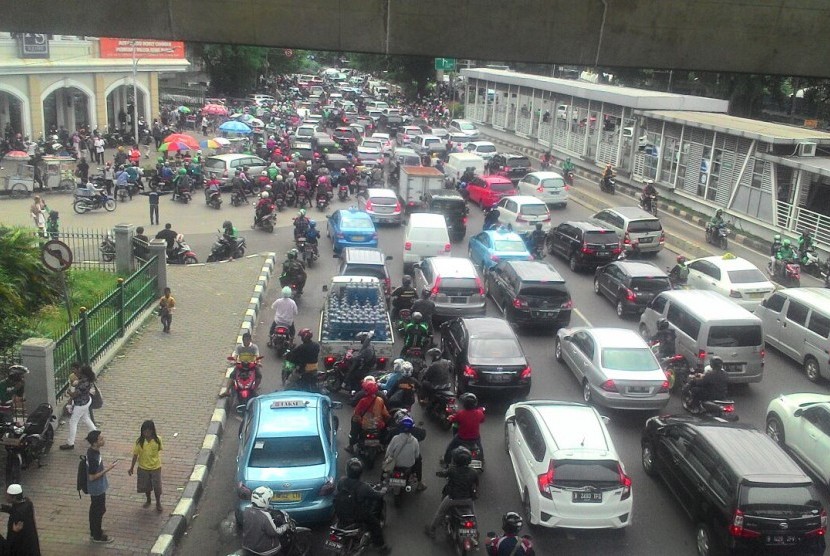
109,178
81,396
146,453
97,485
38,212
153,197
166,306
74,377
99,144
21,535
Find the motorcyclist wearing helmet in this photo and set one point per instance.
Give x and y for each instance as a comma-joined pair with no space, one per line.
305,357
402,395
608,174
246,352
717,220
711,385
260,534
679,274
230,236
649,195
312,236
300,224
264,207
436,376
538,237
356,502
666,336
404,448
460,490
491,218
370,413
273,171
403,296
323,190
279,185
303,189
775,245
395,428
426,306
238,186
469,419
293,271
509,544
416,334
263,179
805,243
786,254
361,363
285,311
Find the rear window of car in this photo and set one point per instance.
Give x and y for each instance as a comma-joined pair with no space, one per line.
735,336
534,209
429,234
602,238
553,183
498,186
431,141
555,291
458,285
486,148
215,164
509,246
650,284
448,205
578,473
628,359
518,162
380,200
643,226
747,276
792,500
358,224
494,348
294,451
375,271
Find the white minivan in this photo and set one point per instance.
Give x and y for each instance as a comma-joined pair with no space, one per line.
548,187
521,213
426,235
457,163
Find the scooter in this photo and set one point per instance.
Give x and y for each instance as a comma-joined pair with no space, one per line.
221,250
237,199
352,539
181,253
279,201
441,404
786,273
303,198
343,192
369,446
267,221
718,235
608,185
28,443
810,263
322,201
183,195
649,203
400,481
675,367
281,340
719,410
213,199
461,526
308,253
245,383
86,204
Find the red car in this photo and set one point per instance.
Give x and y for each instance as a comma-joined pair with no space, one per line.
487,191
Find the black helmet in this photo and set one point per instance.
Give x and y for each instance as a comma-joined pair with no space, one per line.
716,363
511,522
406,280
662,324
17,372
354,468
461,456
227,224
469,400
435,353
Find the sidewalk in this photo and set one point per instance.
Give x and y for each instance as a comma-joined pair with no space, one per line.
170,378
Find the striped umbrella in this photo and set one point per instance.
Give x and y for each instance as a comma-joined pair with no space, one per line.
175,146
188,140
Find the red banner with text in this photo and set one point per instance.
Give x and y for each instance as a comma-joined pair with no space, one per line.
144,48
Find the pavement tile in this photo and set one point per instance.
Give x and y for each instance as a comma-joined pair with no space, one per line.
170,378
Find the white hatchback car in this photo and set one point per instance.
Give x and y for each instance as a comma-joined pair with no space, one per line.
548,186
523,212
801,424
484,149
567,469
731,276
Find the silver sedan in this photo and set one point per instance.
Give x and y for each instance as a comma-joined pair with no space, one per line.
615,367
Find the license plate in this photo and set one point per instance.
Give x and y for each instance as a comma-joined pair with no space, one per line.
545,314
733,367
286,497
603,253
458,300
475,464
580,497
638,389
499,378
781,539
646,239
333,545
464,532
395,482
371,442
358,238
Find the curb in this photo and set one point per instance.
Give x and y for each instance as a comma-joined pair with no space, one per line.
184,512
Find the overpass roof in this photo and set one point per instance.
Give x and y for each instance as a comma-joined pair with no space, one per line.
768,132
622,96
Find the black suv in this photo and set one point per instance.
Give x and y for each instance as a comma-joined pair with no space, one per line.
513,166
530,292
365,261
584,244
630,285
454,208
743,492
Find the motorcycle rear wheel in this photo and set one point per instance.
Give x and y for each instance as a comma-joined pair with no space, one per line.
239,253
268,227
723,243
80,207
191,260
109,205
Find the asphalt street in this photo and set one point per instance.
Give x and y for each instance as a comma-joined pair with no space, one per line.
659,525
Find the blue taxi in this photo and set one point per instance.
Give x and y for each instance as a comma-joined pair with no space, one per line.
491,246
288,442
351,228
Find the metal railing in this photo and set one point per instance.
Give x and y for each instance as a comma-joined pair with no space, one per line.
798,219
88,251
99,327
8,358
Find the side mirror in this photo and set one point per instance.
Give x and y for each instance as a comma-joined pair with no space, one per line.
416,266
605,419
567,339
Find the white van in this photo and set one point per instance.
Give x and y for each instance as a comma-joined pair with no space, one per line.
426,235
797,323
457,163
708,324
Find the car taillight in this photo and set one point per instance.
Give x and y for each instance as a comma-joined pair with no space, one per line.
569,304
470,372
436,288
728,408
662,237
243,491
545,481
701,355
520,303
763,353
609,386
630,295
397,207
388,282
329,360
369,205
735,294
526,372
447,248
334,537
664,387
616,250
587,250
407,246
494,258
627,239
327,488
822,530
381,361
469,524
464,220
540,189
625,481
737,527
480,286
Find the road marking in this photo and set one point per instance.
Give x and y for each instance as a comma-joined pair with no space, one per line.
583,317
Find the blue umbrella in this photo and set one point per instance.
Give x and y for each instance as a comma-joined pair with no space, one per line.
233,126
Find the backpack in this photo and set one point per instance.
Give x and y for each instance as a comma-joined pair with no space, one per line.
346,507
83,476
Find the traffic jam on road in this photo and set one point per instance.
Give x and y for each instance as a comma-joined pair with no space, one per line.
626,389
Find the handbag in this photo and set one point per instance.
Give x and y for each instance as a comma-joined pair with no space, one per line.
97,399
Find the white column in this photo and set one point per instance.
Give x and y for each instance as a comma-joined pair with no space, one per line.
60,108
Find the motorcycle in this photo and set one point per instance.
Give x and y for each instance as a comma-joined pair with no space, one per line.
343,192
303,199
221,250
404,318
281,340
719,410
677,278
213,199
353,539
675,367
786,273
402,480
183,195
441,404
415,355
462,528
308,251
107,249
810,263
27,443
267,221
608,185
718,235
279,201
245,383
649,203
322,201
290,197
181,253
86,204
569,178
122,193
369,446
237,199
296,541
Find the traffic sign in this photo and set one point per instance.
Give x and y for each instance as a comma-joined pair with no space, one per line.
288,52
445,64
56,255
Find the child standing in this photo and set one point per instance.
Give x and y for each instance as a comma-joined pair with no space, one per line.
166,306
146,453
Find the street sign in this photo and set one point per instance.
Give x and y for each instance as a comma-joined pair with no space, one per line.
56,255
445,64
288,52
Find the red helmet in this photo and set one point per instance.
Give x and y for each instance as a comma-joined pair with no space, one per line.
323,180
371,388
305,334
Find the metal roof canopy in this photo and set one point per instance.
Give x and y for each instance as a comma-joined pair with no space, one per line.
768,132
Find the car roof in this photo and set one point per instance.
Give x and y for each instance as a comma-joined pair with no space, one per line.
709,305
727,263
512,155
632,213
301,420
453,267
503,234
546,175
575,428
381,192
616,337
426,218
588,226
492,178
482,143
750,453
640,269
353,214
363,255
810,296
425,137
535,271
525,199
488,327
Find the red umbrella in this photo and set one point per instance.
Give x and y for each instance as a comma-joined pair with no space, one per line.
182,138
215,110
19,155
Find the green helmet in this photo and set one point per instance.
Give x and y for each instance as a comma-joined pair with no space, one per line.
786,243
182,171
776,237
302,212
161,159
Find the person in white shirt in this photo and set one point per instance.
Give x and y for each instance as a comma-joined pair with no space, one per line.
285,311
98,143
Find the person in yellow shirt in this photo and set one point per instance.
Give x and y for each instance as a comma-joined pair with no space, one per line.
146,453
166,306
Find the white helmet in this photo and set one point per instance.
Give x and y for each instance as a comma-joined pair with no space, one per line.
261,497
279,177
290,174
396,365
263,173
406,368
264,195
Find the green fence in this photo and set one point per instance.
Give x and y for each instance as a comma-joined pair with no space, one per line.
97,328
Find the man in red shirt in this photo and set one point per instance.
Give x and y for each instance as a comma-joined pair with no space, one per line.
469,421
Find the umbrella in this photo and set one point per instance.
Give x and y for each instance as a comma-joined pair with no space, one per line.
255,122
215,110
17,155
236,115
222,141
184,109
235,127
175,146
188,140
213,143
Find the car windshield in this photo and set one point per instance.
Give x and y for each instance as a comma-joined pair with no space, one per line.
357,224
579,473
553,183
431,141
518,163
494,348
535,210
293,451
510,246
735,336
215,164
653,284
556,291
643,226
486,148
608,239
628,359
380,200
746,276
795,500
466,126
